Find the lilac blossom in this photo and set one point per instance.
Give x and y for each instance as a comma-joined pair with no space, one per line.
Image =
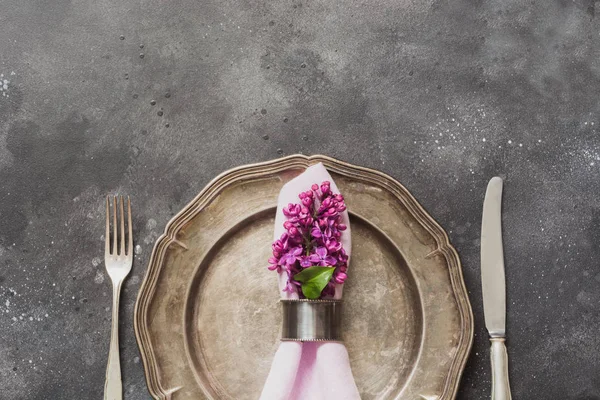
291,256
322,258
312,237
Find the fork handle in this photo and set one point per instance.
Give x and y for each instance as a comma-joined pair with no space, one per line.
499,357
113,387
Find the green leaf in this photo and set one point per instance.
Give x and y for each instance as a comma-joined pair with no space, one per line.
314,280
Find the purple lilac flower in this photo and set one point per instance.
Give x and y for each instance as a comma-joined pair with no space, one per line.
332,246
322,258
274,264
315,230
291,256
312,237
305,262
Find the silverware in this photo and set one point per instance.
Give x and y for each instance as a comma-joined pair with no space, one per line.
494,287
118,264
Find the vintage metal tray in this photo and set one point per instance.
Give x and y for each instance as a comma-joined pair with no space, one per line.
208,320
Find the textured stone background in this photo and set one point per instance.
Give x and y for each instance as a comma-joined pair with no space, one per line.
440,94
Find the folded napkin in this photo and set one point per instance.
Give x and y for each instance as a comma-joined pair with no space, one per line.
309,370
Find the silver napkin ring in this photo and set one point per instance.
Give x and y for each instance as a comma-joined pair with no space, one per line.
311,320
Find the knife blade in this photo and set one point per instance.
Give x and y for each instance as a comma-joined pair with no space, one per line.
494,287
492,261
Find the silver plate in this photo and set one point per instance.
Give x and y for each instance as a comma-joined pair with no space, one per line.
208,320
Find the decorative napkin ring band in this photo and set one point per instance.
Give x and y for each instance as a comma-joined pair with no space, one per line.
307,320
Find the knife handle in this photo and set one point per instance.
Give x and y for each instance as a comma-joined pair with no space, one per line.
499,358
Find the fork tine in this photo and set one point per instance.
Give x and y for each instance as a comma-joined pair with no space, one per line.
107,234
122,216
130,235
114,243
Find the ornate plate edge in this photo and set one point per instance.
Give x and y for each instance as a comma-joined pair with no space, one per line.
206,195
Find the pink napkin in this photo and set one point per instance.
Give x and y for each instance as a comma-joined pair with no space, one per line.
309,370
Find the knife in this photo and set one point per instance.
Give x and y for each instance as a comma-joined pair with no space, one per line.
494,287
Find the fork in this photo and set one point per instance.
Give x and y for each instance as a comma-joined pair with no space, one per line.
118,264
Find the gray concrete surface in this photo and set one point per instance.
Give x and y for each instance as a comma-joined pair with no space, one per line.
440,94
